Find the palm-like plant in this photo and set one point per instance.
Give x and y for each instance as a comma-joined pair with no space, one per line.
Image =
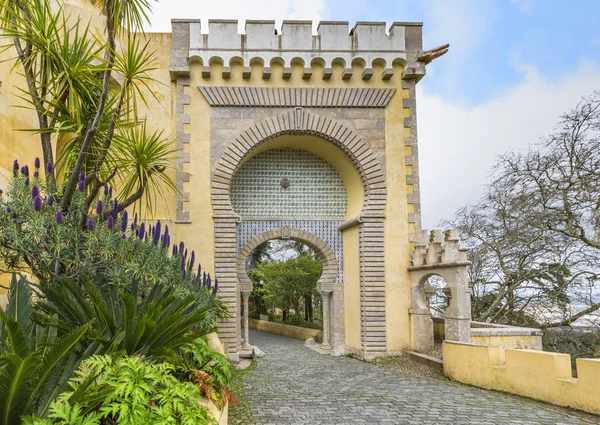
86,87
35,363
155,324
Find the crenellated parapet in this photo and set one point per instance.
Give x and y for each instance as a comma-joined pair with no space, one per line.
437,248
365,44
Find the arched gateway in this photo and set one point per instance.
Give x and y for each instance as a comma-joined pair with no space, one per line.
312,136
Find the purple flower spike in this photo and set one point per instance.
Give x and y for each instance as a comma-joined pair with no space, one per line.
36,163
81,186
142,230
135,219
167,241
35,191
14,220
204,279
51,200
208,282
110,222
99,208
124,218
166,238
115,209
124,236
25,170
137,232
8,210
192,259
174,250
15,168
181,248
58,217
132,226
36,174
183,273
110,191
37,203
1,191
105,190
156,235
91,225
49,168
27,181
216,287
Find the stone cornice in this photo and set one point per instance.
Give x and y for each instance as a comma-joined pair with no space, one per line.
301,97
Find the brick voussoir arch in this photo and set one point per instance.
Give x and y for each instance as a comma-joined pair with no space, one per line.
324,253
298,121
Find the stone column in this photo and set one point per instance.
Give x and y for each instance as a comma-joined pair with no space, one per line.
326,345
245,296
422,327
457,319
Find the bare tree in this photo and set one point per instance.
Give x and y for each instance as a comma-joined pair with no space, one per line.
535,235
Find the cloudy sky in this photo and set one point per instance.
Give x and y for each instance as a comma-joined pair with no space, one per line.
513,67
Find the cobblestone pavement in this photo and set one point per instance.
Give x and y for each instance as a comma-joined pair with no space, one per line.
294,385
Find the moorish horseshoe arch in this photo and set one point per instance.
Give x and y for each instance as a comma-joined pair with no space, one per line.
370,224
298,122
325,284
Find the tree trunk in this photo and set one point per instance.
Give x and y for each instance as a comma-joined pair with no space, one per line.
284,315
307,303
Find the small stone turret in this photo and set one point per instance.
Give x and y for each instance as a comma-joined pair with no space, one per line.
436,248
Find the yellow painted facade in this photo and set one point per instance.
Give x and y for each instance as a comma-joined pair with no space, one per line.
161,113
536,374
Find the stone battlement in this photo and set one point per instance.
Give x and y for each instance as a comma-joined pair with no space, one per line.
367,43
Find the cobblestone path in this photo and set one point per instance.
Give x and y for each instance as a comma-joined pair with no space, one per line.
294,385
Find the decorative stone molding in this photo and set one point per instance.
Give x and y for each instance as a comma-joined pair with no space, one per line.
324,253
366,43
298,121
411,142
291,97
183,156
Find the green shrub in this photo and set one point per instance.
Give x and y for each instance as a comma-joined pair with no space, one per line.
127,391
34,362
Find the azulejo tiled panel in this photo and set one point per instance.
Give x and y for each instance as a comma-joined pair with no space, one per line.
327,230
286,184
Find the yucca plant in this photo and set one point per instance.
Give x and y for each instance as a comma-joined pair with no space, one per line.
35,363
85,87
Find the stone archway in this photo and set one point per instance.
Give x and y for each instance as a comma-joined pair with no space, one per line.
325,285
439,254
370,220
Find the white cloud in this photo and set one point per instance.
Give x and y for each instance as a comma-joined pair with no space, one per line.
164,11
458,144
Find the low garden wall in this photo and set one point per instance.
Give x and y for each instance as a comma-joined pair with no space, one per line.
221,416
539,375
290,331
497,335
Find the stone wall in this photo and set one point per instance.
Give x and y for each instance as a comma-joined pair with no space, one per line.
536,374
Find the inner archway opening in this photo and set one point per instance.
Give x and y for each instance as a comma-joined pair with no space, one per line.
284,275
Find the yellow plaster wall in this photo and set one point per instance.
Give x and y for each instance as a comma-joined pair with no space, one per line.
289,331
397,258
352,288
536,374
521,342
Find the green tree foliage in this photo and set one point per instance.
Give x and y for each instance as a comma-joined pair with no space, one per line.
287,282
35,363
71,83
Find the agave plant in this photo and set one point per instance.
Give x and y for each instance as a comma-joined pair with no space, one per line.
35,364
156,324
